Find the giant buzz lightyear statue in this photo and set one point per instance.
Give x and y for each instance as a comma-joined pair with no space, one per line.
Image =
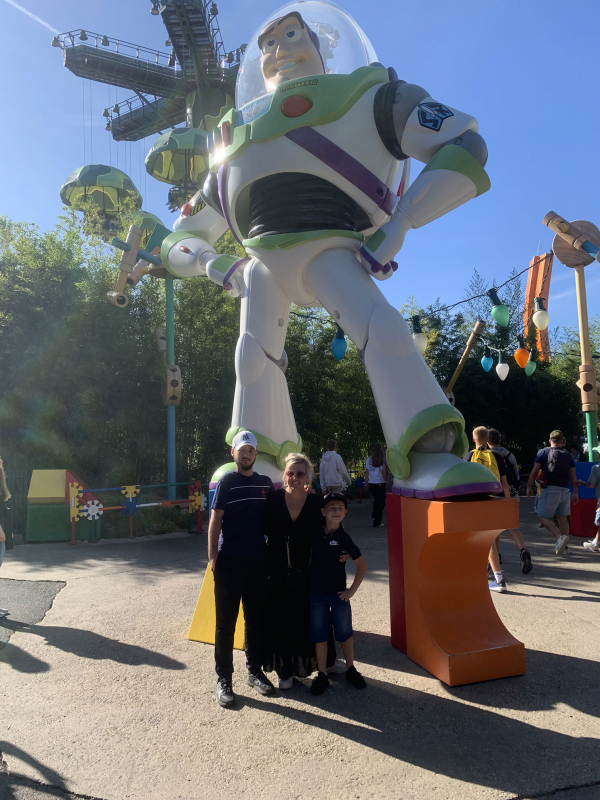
311,174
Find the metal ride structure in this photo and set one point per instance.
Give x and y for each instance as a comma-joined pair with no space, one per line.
193,85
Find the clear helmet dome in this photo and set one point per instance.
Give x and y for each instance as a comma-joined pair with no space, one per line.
343,45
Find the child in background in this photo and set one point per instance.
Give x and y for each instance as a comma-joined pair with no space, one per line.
328,592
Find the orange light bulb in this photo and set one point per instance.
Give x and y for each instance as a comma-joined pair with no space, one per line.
521,357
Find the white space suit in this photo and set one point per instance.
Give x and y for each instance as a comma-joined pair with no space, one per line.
312,178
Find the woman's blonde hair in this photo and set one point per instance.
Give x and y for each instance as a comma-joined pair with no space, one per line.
298,458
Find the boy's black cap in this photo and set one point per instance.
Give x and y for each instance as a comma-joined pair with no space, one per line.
334,496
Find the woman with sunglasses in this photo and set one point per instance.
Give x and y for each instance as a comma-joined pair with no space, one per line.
291,515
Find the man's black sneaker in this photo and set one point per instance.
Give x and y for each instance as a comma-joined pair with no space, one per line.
526,565
260,682
224,693
355,679
319,684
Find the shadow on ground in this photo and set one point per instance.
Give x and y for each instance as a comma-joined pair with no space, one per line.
438,734
81,643
161,554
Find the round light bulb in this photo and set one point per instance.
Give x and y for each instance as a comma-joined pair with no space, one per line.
530,368
502,367
522,357
487,362
338,348
420,342
502,370
500,315
541,319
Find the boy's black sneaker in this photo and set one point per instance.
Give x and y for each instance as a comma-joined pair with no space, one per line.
526,565
355,679
260,682
224,693
319,684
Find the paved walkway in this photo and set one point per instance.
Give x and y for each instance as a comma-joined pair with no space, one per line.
103,696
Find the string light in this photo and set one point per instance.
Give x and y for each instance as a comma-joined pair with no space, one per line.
540,316
502,367
487,362
339,344
419,337
530,365
521,354
499,310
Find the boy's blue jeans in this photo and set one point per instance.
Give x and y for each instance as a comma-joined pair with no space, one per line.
321,607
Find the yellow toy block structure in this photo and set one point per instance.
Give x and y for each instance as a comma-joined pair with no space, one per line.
47,487
204,620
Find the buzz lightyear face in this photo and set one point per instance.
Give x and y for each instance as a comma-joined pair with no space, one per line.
288,51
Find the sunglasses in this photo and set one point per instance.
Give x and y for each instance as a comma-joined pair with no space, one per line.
291,474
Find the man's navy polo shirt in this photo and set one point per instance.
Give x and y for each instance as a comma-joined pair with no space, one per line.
242,498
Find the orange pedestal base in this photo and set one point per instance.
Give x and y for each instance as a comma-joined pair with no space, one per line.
442,614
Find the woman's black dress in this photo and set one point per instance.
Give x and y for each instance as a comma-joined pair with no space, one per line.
289,649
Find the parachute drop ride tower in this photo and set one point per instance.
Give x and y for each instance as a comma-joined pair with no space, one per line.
190,86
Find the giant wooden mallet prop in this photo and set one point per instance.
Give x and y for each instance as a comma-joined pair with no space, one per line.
576,245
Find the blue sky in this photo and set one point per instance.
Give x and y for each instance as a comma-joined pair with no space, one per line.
527,70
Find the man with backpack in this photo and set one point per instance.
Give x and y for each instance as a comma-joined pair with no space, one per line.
483,455
512,478
555,497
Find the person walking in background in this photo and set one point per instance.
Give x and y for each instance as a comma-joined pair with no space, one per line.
332,470
483,455
376,474
4,521
555,498
575,454
512,479
593,545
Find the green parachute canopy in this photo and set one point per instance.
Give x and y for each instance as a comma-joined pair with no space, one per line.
144,220
179,157
102,189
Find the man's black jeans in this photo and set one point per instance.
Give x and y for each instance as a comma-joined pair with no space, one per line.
238,579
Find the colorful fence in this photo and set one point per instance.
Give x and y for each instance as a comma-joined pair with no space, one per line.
93,509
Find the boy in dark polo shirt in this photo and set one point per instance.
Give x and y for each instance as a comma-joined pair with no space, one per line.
328,593
239,557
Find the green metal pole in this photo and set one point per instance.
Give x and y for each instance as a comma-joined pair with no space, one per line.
591,424
170,334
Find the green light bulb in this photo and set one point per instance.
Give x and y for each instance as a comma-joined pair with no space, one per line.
499,310
500,314
530,368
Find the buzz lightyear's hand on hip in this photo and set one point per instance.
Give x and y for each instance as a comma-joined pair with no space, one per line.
227,271
377,254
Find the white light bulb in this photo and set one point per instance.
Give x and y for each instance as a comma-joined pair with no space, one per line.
502,370
541,319
420,342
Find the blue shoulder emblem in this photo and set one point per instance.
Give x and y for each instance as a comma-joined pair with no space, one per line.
432,115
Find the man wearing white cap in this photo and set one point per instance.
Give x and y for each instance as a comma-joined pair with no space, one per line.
239,559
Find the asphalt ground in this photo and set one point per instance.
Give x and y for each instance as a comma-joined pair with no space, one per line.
103,696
